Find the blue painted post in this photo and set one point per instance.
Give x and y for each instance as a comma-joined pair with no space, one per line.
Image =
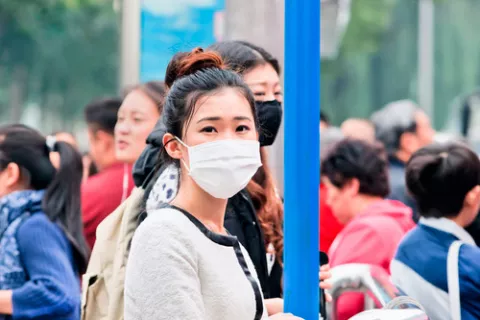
302,167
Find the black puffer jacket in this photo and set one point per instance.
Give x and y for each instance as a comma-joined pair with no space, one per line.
241,221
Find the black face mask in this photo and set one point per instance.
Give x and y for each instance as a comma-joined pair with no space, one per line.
270,117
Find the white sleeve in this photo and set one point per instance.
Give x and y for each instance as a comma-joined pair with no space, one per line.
161,280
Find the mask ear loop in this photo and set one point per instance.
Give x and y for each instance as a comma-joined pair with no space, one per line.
188,148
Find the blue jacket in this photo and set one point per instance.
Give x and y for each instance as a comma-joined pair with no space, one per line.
398,188
36,261
419,268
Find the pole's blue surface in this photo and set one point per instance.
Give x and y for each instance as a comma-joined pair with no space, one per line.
302,167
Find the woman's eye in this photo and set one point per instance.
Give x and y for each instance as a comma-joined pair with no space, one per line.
242,128
209,130
278,93
137,119
259,94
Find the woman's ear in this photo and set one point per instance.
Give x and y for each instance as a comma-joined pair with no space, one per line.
472,199
173,147
12,175
353,186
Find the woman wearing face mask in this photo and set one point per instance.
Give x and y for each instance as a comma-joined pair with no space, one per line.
137,116
42,249
261,72
258,223
183,264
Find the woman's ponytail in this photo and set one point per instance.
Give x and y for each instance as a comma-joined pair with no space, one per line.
62,202
29,149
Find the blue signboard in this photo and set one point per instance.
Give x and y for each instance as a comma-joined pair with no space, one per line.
169,26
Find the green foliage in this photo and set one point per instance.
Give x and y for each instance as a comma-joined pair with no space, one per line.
368,21
62,53
378,59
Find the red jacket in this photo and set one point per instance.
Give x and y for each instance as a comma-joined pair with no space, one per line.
329,225
372,237
101,195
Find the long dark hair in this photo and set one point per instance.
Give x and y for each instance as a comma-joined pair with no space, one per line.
61,203
243,56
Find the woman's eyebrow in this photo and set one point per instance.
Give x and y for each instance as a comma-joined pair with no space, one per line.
209,119
237,118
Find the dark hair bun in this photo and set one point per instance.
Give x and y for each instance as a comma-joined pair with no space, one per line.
186,63
439,177
172,69
421,170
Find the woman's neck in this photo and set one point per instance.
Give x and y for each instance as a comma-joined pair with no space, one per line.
209,210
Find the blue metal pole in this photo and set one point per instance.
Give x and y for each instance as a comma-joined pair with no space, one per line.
302,167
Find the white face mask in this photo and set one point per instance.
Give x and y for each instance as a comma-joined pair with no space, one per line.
223,167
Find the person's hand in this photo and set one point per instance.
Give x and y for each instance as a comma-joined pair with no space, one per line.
284,316
274,305
324,276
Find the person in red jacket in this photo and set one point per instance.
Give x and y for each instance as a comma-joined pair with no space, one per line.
355,174
328,225
102,193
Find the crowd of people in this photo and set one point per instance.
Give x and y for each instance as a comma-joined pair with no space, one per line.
174,212
394,198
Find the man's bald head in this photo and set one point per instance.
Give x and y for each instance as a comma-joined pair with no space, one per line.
359,129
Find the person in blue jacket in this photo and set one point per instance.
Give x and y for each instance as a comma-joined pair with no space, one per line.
444,180
42,249
403,128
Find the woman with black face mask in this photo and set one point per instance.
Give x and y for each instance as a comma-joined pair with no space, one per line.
261,72
254,215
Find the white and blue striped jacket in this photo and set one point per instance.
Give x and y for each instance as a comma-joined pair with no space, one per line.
419,268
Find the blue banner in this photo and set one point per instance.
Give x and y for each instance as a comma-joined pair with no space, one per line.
169,26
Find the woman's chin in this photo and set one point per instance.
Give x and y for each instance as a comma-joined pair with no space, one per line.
125,156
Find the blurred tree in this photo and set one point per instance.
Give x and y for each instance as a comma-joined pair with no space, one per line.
368,22
378,57
57,54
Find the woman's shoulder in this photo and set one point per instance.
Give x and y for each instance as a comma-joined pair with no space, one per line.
165,232
164,224
38,228
167,216
39,223
470,255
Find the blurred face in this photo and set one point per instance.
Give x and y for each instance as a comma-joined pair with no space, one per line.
225,115
136,119
265,83
339,200
423,136
102,146
425,132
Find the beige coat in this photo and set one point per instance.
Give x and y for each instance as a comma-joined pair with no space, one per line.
103,283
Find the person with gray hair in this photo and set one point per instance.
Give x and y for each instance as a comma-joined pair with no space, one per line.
403,127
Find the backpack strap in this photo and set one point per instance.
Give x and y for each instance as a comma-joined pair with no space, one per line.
453,280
